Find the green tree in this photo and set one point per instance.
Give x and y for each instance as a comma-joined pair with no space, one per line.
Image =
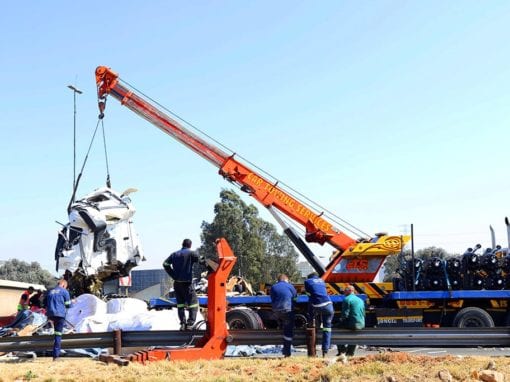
261,252
17,270
391,266
280,255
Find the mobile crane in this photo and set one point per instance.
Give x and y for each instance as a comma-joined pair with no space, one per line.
356,261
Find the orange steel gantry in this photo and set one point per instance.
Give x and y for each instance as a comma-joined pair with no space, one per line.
214,343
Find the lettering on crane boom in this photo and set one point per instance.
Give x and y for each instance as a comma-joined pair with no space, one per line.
282,197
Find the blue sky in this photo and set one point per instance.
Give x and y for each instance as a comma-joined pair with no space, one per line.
387,113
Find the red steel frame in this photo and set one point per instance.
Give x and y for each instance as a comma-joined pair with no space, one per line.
214,343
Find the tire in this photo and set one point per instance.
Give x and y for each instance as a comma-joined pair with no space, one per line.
472,317
244,318
300,321
507,319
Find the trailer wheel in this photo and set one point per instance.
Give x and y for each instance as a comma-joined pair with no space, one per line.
300,321
244,318
472,317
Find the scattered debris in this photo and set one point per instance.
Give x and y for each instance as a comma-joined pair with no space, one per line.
25,323
491,376
343,359
238,285
118,360
445,376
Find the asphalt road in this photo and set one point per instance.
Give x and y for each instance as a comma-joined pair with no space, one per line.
432,352
487,352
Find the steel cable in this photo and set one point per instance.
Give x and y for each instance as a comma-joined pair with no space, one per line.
311,204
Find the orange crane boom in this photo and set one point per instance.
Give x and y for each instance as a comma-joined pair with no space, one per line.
269,194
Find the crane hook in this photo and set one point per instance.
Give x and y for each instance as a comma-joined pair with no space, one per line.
101,105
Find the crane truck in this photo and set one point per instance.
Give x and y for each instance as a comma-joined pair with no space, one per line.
408,301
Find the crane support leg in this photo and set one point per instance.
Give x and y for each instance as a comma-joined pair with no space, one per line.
214,343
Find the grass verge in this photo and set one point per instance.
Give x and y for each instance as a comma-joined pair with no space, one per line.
373,368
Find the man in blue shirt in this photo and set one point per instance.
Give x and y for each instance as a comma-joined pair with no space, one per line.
320,304
179,266
283,295
57,303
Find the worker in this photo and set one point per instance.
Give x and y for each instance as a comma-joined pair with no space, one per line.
283,294
35,302
352,317
320,305
24,300
57,302
179,266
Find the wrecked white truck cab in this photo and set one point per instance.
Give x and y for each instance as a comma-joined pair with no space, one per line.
100,240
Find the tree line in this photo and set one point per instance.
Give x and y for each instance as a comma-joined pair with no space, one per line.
33,273
262,253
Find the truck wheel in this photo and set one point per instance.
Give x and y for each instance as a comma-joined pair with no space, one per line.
244,318
300,321
472,317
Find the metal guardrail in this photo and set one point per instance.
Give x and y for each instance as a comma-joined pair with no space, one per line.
437,337
389,337
386,337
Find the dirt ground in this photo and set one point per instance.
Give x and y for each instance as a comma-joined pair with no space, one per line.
384,367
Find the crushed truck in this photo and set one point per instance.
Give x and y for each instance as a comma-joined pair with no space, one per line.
425,294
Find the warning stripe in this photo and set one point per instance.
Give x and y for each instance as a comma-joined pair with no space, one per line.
382,292
371,289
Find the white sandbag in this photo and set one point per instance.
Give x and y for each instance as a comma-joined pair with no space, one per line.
88,314
167,319
93,324
126,305
83,306
150,320
131,322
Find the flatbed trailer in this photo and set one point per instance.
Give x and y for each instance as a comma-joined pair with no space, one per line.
456,308
258,300
252,312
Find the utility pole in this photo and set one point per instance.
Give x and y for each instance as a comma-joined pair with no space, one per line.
75,91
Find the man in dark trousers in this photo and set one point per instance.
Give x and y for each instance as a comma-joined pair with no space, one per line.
283,295
353,317
57,302
179,266
320,304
